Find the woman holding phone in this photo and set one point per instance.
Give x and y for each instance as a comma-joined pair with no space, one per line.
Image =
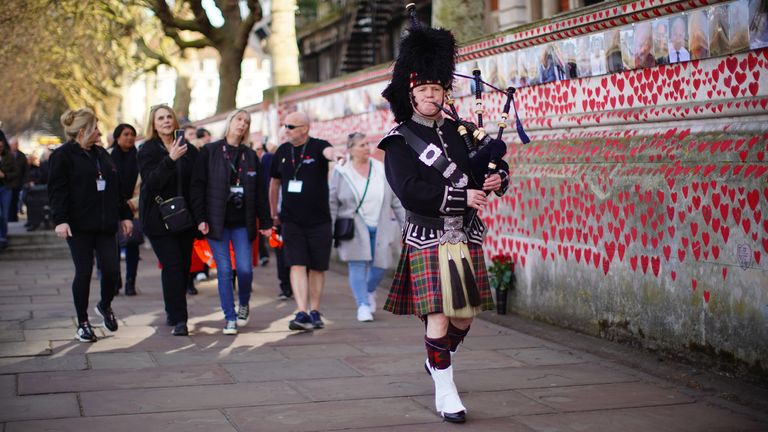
227,199
165,165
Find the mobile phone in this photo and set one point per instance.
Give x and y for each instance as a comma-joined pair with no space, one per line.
179,133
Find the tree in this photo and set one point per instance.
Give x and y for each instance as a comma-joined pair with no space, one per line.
463,17
188,25
70,50
283,47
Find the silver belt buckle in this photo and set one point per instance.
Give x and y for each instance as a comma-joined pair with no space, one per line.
453,223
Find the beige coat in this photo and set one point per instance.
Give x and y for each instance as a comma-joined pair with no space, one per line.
343,202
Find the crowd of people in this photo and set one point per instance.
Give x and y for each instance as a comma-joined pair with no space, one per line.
184,191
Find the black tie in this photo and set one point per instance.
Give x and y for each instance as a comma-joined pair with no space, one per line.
677,52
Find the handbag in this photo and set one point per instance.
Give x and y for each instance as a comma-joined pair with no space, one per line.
344,228
173,211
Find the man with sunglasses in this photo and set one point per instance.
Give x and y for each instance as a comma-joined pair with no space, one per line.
299,174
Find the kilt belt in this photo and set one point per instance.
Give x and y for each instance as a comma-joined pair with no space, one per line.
422,231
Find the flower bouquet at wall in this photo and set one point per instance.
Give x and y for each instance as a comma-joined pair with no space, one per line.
501,274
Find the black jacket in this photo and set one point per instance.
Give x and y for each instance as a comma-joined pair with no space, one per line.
21,171
72,190
210,189
8,167
159,176
127,164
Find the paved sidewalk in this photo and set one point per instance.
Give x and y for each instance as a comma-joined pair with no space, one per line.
350,376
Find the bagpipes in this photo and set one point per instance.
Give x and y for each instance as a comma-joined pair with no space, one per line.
485,152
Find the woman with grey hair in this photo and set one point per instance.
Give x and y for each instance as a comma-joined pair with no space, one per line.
227,201
359,190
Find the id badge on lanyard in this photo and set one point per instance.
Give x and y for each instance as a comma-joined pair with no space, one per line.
294,186
101,184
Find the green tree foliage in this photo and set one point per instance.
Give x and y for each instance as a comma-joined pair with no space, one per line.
463,17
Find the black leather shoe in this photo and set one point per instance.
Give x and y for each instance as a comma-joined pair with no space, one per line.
181,330
459,417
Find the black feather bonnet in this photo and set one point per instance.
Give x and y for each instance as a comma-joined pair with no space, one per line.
426,56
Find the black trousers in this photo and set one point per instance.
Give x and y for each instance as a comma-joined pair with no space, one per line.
83,245
175,254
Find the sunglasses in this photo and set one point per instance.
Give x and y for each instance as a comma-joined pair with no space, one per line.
292,127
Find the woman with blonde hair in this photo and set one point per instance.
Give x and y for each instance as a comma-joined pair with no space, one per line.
227,201
86,206
165,166
359,191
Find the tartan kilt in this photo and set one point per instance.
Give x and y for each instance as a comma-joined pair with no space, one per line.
416,287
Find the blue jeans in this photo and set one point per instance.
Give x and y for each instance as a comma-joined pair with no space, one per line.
363,276
243,263
5,211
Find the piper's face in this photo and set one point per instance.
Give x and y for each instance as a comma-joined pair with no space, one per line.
425,97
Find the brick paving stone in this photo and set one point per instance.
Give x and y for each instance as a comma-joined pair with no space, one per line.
69,362
330,415
121,360
380,348
194,355
15,315
105,379
20,299
543,356
472,425
51,323
515,340
486,405
38,407
606,396
23,349
318,351
538,377
191,398
51,334
182,421
368,387
289,369
397,363
676,418
7,386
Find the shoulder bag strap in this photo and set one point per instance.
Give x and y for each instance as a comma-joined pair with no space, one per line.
367,182
432,156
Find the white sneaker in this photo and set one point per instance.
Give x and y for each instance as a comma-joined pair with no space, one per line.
372,301
230,328
446,396
364,313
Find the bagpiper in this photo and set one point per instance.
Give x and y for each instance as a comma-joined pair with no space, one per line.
442,183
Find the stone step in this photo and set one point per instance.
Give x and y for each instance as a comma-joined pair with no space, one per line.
24,252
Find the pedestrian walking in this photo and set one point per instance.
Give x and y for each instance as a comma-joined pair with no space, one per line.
275,240
125,157
359,192
300,177
85,200
227,200
7,176
18,181
441,276
165,166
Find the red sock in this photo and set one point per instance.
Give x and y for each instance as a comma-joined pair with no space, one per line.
456,335
438,352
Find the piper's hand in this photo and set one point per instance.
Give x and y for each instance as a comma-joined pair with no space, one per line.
178,149
63,231
492,183
476,199
203,227
127,227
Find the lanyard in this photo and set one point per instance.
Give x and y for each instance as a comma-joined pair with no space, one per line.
296,167
98,164
237,170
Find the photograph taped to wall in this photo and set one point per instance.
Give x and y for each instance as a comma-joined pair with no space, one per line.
661,41
613,51
678,39
549,68
758,24
719,31
627,37
583,60
738,22
567,53
597,54
533,65
698,34
522,67
643,43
